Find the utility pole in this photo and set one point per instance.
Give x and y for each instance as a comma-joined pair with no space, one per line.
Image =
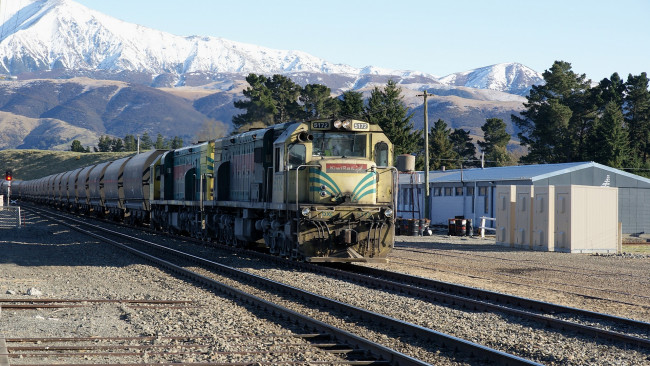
426,155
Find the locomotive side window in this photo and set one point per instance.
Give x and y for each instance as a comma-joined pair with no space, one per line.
339,144
278,160
381,154
297,155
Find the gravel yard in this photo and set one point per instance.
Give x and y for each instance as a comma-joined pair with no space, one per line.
613,284
51,260
63,264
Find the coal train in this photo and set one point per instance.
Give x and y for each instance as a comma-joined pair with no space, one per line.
320,191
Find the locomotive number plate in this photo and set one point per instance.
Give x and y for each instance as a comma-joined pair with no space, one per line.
320,125
360,126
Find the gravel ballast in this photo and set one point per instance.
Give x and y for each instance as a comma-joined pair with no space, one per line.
63,264
70,266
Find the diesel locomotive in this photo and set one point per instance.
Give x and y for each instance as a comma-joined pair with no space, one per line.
321,190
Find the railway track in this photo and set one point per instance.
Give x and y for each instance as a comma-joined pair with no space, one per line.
515,278
628,333
456,348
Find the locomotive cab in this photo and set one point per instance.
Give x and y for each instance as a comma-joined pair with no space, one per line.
335,180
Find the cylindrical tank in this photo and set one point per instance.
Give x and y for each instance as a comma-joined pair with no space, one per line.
461,227
406,163
451,227
415,229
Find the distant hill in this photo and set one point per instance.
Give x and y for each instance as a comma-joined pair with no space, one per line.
34,164
49,114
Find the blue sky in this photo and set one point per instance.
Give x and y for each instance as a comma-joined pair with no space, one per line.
598,37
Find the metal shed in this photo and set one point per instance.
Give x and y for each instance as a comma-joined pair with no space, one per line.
471,192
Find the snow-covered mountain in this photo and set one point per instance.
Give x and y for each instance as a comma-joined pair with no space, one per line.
41,37
512,77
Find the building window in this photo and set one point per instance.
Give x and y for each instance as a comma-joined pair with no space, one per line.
459,191
469,191
448,191
436,191
482,191
486,205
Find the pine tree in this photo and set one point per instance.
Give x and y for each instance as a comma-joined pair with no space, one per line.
611,138
386,108
177,142
558,117
160,142
285,94
463,146
117,145
260,105
317,102
351,105
441,149
130,143
496,140
145,142
76,146
637,116
105,144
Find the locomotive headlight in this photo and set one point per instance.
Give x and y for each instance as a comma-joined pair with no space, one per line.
346,124
337,124
388,212
305,211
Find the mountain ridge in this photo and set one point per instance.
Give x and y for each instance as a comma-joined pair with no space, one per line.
44,31
105,76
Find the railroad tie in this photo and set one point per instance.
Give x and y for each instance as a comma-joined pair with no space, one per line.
4,354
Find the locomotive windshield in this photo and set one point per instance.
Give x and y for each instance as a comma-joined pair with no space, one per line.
339,144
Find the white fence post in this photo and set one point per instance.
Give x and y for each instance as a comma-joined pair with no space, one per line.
482,228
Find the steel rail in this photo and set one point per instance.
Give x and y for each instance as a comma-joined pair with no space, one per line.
497,297
397,358
379,351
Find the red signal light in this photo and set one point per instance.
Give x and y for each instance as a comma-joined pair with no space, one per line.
8,175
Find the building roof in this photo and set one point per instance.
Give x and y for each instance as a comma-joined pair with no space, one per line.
512,173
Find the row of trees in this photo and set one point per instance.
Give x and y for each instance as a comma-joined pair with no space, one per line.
567,119
452,147
278,99
129,143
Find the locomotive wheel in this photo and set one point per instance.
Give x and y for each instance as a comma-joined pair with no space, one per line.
286,246
276,243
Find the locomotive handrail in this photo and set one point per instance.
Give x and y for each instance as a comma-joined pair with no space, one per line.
395,183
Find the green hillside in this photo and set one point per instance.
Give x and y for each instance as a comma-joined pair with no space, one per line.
33,164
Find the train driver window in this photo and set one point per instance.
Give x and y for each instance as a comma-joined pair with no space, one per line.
339,144
381,154
297,155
